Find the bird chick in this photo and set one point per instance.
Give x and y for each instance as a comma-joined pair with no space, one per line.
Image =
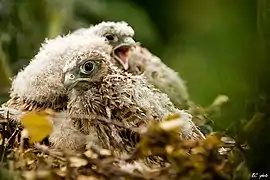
140,60
38,86
160,75
118,34
98,89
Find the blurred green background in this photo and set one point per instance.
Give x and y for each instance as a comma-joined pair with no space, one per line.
213,44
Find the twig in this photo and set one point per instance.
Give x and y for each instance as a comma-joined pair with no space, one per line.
3,141
46,150
102,119
106,169
12,135
4,125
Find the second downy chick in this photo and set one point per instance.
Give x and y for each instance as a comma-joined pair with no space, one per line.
140,60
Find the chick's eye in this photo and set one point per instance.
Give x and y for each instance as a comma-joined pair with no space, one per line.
87,67
111,37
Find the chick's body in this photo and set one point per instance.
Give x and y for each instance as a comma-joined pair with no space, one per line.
124,99
65,136
106,91
160,75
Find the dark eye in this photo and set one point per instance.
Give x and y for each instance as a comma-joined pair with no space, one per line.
87,67
111,37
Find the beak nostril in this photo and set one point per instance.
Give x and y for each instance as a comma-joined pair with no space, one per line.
71,76
68,80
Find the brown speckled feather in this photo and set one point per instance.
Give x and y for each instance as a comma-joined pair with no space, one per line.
141,61
60,104
118,96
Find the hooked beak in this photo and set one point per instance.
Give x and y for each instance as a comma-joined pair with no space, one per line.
69,81
121,52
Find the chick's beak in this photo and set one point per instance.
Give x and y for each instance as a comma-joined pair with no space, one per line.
69,81
129,41
121,52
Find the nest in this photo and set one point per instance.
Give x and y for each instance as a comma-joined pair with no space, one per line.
210,158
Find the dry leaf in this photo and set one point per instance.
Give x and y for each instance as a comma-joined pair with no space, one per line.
171,125
105,152
25,134
37,125
228,140
221,99
172,117
90,154
1,139
82,177
77,162
61,171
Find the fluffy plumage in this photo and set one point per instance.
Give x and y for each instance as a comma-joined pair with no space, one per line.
38,85
98,89
65,135
161,76
142,61
121,29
